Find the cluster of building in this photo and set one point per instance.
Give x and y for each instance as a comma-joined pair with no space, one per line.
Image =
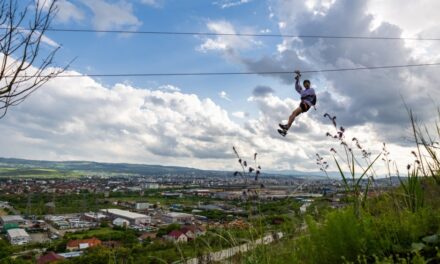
126,218
218,185
69,222
77,185
13,225
185,234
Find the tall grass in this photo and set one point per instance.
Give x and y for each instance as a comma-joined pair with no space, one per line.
427,146
352,180
413,195
399,226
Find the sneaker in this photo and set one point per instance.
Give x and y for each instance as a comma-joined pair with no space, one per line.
282,132
283,127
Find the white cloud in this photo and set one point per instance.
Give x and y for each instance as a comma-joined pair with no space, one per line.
231,3
416,19
363,104
227,43
412,17
240,114
80,119
44,39
50,42
154,3
169,88
113,15
224,96
66,11
283,46
282,25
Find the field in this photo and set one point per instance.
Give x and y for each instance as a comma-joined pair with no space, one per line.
36,173
100,233
3,212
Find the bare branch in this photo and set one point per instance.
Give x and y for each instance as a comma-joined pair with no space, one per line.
24,68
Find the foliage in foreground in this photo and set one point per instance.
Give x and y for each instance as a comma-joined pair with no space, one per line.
400,226
382,235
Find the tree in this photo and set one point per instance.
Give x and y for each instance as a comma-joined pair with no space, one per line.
24,66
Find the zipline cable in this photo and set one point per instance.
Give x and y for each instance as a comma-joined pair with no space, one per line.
231,34
238,73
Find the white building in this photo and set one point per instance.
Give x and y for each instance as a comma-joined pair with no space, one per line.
18,236
174,217
91,216
121,222
133,218
151,185
12,219
143,206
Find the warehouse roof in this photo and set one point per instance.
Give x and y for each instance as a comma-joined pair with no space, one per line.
176,214
124,213
11,218
17,232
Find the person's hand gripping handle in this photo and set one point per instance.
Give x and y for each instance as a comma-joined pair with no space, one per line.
298,75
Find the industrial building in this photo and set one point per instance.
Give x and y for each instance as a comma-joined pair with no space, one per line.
181,218
143,206
121,222
91,216
12,219
18,236
133,218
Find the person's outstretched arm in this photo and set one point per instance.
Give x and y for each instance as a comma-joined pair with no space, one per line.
298,86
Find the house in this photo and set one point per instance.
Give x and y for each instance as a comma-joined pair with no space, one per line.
192,231
174,217
82,244
18,236
176,236
49,258
188,233
146,236
121,222
199,231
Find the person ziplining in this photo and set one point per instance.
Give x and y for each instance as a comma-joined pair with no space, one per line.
308,99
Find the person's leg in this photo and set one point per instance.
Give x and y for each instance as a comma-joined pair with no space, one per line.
292,117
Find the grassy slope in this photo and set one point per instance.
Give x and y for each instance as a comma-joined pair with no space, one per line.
386,232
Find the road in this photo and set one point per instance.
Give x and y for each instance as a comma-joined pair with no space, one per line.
230,252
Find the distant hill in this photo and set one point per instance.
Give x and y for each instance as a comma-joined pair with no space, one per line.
137,169
95,166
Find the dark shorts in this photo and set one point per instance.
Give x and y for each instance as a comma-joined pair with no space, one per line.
304,107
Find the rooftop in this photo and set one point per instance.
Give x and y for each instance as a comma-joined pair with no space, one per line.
11,218
124,213
17,232
176,234
175,214
49,257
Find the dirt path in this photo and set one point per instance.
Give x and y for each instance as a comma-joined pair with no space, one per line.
230,252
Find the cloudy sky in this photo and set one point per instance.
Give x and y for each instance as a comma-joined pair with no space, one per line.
195,121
